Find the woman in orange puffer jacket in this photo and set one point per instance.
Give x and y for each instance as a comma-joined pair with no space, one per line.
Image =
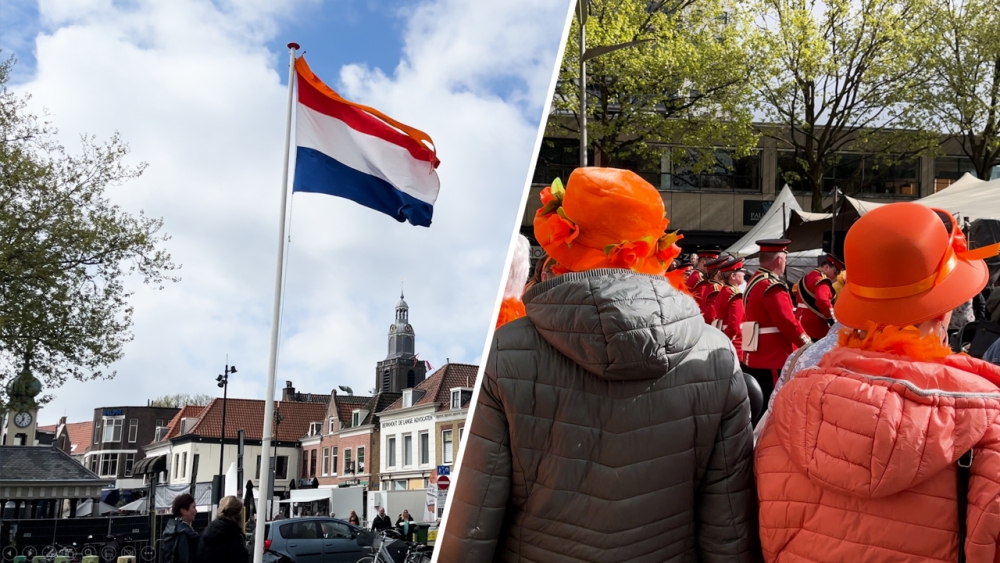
864,456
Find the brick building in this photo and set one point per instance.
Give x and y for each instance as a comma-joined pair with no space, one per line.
118,436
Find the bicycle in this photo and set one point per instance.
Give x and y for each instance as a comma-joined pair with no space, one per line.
56,549
386,549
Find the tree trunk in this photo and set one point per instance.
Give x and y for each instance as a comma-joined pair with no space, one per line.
816,182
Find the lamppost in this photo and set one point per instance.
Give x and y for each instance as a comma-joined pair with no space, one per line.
582,10
274,465
223,381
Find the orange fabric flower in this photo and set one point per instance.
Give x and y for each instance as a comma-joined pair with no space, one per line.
564,231
628,254
666,247
546,196
511,308
905,341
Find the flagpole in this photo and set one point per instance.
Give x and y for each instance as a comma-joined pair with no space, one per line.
265,472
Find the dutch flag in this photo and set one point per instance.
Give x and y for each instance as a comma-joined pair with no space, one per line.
353,151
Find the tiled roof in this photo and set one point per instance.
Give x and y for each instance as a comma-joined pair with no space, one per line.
248,414
48,427
346,405
174,426
80,434
437,388
379,403
38,463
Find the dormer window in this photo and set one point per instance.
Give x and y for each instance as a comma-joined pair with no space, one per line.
407,398
460,398
315,428
331,425
356,418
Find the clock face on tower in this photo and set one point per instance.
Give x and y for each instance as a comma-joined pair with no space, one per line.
22,419
409,328
392,328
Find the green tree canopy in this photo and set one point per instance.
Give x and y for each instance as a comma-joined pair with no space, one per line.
841,77
685,83
66,250
962,98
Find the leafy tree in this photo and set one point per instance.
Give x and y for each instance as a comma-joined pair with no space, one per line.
181,400
66,250
963,95
841,77
684,82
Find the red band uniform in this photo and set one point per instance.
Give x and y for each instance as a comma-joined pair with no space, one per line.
729,307
697,275
816,294
708,289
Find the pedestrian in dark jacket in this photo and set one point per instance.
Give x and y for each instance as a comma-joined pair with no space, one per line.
381,521
223,540
180,541
612,424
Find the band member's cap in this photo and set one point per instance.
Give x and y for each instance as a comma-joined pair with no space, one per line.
773,244
834,261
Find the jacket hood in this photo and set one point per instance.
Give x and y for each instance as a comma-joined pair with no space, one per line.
616,324
177,527
872,424
219,530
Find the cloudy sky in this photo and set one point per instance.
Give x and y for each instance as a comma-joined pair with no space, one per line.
197,88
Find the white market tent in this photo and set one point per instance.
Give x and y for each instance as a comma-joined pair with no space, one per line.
969,197
771,225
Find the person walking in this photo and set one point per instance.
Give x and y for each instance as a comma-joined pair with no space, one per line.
353,519
223,541
403,524
381,521
772,332
180,541
889,448
612,423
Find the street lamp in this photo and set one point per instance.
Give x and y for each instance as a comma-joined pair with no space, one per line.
223,382
585,55
274,466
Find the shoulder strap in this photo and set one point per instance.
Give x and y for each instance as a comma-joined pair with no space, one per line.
964,469
758,278
795,360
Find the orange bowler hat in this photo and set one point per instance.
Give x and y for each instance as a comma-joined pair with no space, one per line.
908,264
605,218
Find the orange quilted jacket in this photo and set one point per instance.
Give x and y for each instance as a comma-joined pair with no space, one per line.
858,461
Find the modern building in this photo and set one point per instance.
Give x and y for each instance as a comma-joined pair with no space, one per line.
421,429
718,205
119,434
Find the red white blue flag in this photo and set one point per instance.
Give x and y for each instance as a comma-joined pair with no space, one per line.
356,152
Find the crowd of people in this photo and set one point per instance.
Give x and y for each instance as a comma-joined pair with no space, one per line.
614,422
223,541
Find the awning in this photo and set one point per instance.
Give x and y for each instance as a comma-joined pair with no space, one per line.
150,465
308,495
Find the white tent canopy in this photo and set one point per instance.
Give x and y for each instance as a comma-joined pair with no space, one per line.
771,225
969,197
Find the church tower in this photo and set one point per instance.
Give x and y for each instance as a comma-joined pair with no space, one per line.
400,369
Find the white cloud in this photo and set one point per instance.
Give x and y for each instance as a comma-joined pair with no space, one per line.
192,88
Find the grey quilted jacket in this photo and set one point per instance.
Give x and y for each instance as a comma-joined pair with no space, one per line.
612,425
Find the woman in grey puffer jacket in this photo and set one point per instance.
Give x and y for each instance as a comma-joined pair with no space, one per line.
612,424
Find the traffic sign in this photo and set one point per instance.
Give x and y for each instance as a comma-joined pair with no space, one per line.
444,470
443,482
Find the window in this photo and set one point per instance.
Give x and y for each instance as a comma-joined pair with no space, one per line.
399,485
97,433
312,463
386,379
361,460
461,432
333,530
460,398
133,430
308,530
390,444
194,467
159,422
113,429
326,461
315,428
304,465
109,465
281,471
177,467
93,463
446,447
129,462
184,465
257,466
427,483
356,419
425,448
331,425
407,450
333,461
348,465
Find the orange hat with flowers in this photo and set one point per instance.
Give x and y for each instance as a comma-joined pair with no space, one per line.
908,264
605,218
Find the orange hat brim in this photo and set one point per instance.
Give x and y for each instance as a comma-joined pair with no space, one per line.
581,258
964,282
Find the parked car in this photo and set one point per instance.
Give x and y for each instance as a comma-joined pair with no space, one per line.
314,540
